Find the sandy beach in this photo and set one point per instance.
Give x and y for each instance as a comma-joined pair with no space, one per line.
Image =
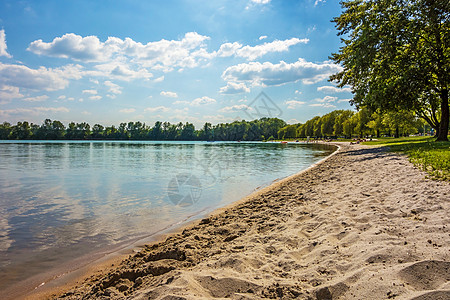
363,224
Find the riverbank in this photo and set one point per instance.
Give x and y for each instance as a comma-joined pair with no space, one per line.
364,224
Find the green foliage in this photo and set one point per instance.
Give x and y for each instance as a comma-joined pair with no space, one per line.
396,55
425,153
337,123
288,132
338,128
239,130
5,130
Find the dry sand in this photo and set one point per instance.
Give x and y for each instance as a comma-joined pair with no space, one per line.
363,224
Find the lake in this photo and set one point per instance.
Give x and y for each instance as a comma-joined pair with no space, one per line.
63,200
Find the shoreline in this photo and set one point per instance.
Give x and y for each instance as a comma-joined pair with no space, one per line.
64,278
362,223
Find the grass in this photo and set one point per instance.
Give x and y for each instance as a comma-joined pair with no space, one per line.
423,152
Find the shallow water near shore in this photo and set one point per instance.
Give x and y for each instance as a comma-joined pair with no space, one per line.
62,200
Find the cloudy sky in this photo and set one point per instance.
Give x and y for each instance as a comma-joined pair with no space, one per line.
199,61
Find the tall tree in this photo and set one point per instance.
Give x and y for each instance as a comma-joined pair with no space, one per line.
338,128
5,130
396,55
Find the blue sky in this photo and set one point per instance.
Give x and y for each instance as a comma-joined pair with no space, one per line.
109,62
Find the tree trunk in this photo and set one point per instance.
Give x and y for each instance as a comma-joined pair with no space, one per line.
443,126
378,133
397,133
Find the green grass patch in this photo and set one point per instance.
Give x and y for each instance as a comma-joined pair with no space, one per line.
423,152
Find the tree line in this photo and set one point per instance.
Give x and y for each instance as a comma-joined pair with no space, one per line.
256,130
338,123
348,124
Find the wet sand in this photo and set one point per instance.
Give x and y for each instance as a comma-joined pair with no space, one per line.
363,224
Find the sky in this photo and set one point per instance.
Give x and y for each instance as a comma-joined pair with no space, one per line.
194,61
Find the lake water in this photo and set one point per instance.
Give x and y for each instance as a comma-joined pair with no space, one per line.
62,200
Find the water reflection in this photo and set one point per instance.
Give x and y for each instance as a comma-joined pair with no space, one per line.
60,200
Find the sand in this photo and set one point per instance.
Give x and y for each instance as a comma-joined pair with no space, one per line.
363,224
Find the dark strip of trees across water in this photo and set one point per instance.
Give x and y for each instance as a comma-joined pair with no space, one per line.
338,123
256,130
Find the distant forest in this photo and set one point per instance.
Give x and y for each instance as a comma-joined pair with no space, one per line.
338,123
256,130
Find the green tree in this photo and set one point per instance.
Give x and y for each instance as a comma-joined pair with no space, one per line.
401,122
288,132
396,55
111,132
188,132
338,128
376,123
362,119
349,126
98,131
5,131
328,120
21,131
317,127
122,131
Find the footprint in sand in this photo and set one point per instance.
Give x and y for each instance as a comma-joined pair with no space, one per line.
227,287
426,275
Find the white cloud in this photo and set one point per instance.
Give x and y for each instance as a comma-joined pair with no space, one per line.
293,104
97,97
3,47
157,109
126,59
196,102
163,54
169,94
9,92
92,92
261,1
326,99
253,52
72,46
183,102
203,101
235,108
120,71
38,79
159,79
269,74
323,105
33,110
297,92
234,88
344,100
324,102
113,88
62,97
228,49
263,37
36,99
127,110
319,1
333,89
